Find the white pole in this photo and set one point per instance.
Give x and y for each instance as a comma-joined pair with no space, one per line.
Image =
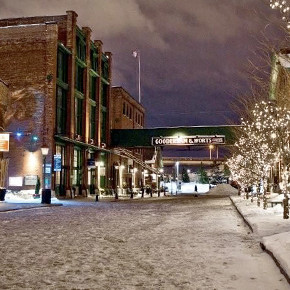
139,63
177,173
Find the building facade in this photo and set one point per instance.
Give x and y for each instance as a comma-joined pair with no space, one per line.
128,167
279,94
4,92
280,78
60,99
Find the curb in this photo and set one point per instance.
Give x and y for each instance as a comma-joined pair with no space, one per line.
263,247
245,220
276,261
30,207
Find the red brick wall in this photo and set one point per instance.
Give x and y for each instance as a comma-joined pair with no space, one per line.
118,119
28,65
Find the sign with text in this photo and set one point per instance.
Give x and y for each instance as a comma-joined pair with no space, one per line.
57,162
15,181
4,142
188,140
30,180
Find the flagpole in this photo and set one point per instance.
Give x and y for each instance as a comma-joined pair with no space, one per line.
136,54
139,62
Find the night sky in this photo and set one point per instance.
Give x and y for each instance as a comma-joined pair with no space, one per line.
194,53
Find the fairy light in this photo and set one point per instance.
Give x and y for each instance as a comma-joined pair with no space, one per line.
263,141
284,7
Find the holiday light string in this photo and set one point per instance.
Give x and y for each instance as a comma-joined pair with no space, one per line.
284,7
263,141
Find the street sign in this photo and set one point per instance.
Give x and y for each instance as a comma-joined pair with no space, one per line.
57,162
4,142
188,140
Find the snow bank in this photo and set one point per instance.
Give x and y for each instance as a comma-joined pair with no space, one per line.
223,189
270,227
279,244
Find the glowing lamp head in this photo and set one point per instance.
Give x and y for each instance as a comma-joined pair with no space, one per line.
44,150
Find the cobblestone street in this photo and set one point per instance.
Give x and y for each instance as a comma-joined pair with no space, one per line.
169,243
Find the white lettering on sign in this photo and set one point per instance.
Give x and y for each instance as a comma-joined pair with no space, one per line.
188,140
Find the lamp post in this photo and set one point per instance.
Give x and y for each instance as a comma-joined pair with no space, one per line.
46,192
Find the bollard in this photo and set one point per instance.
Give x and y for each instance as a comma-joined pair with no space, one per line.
46,196
131,194
286,207
97,197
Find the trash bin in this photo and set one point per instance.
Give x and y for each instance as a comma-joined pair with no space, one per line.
46,196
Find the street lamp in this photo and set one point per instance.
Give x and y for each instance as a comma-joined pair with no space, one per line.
46,193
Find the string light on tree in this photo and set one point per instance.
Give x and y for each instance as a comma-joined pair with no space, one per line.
263,141
284,7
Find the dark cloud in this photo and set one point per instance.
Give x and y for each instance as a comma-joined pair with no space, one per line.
193,52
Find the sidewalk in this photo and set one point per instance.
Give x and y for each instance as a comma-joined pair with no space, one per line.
271,229
9,205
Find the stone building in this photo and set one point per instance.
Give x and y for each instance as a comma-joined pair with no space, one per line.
60,98
280,78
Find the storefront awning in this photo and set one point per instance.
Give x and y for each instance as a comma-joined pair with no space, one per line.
128,154
80,143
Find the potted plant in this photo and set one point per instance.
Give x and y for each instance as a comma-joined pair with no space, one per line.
37,188
3,172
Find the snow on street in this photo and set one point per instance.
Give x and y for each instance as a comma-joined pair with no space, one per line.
168,243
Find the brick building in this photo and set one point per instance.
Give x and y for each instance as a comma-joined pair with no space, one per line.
4,91
60,92
126,113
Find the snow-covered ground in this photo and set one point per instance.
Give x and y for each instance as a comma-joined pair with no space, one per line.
269,226
166,243
187,187
24,197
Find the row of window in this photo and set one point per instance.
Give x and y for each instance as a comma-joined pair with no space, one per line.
94,80
128,112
